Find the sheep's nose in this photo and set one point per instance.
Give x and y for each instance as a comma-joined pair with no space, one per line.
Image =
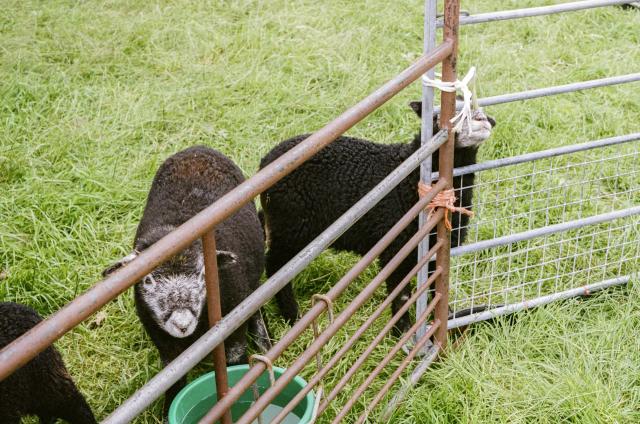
181,320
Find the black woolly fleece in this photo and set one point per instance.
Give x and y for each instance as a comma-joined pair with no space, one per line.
42,387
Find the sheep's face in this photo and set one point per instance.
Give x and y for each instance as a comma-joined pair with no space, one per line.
469,135
175,293
475,134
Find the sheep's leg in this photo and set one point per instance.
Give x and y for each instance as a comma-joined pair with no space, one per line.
288,304
275,259
77,411
235,346
260,332
45,419
404,323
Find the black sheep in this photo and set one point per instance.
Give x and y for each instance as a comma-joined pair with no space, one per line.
171,300
300,206
42,387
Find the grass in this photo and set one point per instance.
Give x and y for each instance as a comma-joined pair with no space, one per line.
95,95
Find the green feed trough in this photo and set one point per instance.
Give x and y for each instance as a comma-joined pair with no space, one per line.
199,396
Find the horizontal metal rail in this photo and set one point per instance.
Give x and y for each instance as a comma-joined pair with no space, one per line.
535,11
542,154
543,300
45,333
543,231
551,91
230,322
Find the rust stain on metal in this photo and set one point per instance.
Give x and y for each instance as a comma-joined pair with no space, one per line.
448,101
214,311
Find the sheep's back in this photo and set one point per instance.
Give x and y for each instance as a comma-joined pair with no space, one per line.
190,181
305,202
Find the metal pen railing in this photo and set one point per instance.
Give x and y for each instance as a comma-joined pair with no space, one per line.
536,11
201,226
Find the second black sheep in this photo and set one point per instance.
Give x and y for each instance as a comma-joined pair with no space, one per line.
171,300
304,203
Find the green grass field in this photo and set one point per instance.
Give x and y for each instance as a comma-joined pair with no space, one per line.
95,95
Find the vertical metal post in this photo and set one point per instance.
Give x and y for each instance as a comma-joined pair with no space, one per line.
215,314
448,102
430,12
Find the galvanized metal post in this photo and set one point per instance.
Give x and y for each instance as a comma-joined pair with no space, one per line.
430,12
215,314
448,102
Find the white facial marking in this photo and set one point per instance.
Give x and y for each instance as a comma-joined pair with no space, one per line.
175,301
181,323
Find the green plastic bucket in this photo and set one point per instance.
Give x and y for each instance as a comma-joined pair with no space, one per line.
199,396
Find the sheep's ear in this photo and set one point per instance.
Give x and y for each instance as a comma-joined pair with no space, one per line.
226,258
122,262
417,108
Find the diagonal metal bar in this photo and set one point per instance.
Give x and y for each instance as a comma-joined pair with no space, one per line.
331,329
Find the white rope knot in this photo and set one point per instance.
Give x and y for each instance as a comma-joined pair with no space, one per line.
467,95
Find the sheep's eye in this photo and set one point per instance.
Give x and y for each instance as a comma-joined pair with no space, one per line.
148,281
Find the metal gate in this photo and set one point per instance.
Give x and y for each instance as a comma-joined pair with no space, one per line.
570,199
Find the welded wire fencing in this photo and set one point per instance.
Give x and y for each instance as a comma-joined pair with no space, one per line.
529,242
518,206
547,191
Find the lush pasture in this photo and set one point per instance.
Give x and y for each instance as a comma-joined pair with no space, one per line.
95,95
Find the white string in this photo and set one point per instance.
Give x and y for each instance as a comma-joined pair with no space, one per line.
451,87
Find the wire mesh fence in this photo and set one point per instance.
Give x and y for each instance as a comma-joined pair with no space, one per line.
510,200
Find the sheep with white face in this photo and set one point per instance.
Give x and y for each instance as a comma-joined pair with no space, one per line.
171,300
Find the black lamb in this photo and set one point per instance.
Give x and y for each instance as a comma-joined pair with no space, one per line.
43,386
171,300
300,206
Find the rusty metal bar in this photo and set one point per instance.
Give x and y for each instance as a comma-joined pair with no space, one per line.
394,350
418,372
319,307
197,351
214,311
361,330
23,349
332,328
394,377
388,326
448,101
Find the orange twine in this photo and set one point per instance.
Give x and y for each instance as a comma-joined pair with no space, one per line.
445,199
